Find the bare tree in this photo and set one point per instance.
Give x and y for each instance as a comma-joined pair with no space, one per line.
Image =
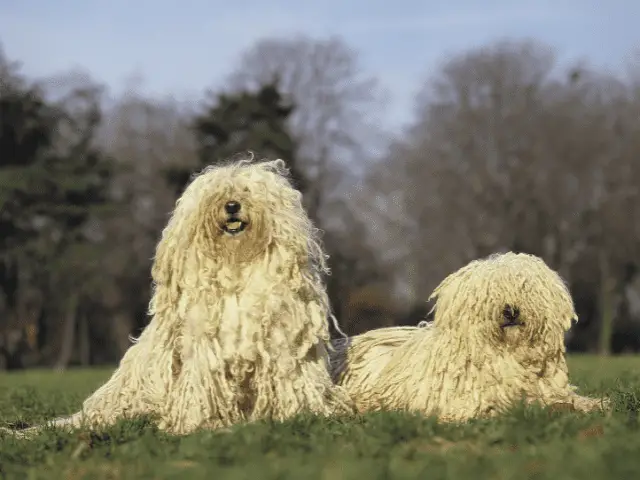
336,104
145,136
453,174
335,125
506,155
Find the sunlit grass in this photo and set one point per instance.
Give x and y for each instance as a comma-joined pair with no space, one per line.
527,443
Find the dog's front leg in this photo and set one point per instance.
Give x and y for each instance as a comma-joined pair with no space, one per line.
204,395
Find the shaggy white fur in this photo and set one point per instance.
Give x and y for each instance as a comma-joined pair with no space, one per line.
358,362
239,312
497,337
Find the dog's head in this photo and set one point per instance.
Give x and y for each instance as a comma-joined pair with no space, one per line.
236,213
507,300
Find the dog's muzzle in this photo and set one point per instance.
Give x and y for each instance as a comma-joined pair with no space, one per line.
233,225
511,316
511,324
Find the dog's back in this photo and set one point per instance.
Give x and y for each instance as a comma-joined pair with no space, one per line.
357,362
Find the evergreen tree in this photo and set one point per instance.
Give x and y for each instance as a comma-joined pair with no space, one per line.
235,124
52,183
25,134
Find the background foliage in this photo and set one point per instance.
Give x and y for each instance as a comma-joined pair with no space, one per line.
508,151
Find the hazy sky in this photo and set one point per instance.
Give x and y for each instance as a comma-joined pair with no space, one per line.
183,47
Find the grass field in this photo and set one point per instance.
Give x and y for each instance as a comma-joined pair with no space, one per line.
525,444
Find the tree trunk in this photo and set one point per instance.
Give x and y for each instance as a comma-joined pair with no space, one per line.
607,306
122,328
84,340
68,334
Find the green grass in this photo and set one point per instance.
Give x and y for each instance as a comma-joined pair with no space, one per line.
525,444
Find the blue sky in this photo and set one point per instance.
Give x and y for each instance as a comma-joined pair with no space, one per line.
184,47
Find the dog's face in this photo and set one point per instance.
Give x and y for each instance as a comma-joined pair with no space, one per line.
507,301
532,317
244,212
240,211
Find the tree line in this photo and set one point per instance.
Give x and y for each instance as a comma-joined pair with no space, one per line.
507,151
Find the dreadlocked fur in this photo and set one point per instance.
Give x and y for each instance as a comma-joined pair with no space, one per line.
497,338
357,362
238,328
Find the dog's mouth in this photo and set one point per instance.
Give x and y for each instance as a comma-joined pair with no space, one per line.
234,226
511,316
511,324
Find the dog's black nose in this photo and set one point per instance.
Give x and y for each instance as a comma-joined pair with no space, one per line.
232,207
511,313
